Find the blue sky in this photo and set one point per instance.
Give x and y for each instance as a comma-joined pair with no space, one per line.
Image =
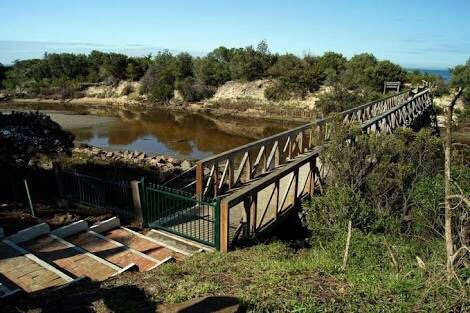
416,34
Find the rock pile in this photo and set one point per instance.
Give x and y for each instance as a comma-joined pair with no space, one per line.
165,164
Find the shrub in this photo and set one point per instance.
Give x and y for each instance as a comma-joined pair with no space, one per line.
192,90
183,65
136,68
461,78
296,77
277,92
340,99
211,71
427,201
160,78
24,136
331,211
3,70
383,168
127,90
364,71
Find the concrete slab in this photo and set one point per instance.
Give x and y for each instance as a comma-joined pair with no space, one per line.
71,229
178,241
106,225
30,233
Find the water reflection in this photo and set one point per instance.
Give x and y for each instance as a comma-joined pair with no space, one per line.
181,134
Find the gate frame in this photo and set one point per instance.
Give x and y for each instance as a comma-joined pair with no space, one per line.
213,204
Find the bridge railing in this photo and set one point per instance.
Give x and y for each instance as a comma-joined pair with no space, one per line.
257,206
228,170
400,116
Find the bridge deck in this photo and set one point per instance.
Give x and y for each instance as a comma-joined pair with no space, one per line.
260,201
259,183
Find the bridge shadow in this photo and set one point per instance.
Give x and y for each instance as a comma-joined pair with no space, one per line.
84,296
89,296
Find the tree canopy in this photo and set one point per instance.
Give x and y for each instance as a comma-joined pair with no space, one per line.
24,136
461,78
196,77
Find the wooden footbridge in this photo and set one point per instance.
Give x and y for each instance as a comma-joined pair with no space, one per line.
259,183
242,192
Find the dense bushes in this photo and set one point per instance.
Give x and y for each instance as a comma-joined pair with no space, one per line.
427,201
160,78
65,71
332,211
373,177
24,136
461,78
294,77
3,70
364,71
340,99
192,90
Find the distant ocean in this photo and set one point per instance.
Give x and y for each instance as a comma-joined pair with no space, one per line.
445,74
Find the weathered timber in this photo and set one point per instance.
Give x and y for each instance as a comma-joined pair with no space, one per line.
223,172
264,201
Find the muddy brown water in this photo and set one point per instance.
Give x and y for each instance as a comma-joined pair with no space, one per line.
157,131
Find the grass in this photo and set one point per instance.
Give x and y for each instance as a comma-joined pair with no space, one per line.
273,277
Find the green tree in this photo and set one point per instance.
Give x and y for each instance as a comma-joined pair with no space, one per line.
249,63
330,62
3,70
24,136
184,66
136,68
359,71
386,71
192,90
383,168
295,77
246,64
461,78
114,66
340,99
211,71
159,80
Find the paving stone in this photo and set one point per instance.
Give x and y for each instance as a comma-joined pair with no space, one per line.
25,273
110,251
143,245
67,258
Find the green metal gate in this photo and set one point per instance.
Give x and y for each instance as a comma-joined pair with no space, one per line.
181,213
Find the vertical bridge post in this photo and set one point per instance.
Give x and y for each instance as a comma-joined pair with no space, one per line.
136,201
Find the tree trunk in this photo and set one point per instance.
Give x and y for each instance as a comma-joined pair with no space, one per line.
448,187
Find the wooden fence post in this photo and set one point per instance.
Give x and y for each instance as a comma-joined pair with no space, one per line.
57,173
224,225
199,180
137,203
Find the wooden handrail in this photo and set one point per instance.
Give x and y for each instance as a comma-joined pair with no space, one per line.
287,169
280,148
248,195
266,141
